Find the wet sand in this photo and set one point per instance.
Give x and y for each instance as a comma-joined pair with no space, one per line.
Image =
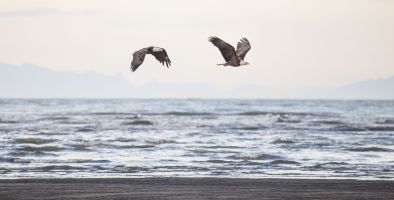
194,188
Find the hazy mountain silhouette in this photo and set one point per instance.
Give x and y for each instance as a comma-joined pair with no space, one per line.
367,89
371,89
31,81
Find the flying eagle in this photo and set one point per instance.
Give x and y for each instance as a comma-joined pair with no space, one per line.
159,53
233,57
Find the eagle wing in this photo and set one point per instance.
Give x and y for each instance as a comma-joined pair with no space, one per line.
228,51
243,47
138,58
162,57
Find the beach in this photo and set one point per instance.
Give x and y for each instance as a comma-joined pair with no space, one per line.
196,149
194,188
197,100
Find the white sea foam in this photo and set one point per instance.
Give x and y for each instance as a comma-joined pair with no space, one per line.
220,138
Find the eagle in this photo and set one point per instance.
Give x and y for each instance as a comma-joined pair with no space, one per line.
159,53
232,57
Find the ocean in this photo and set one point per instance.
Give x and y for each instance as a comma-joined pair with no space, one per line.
55,138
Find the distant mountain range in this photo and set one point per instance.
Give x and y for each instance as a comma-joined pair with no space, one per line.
36,82
372,89
31,81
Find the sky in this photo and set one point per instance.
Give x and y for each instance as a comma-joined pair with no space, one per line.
295,44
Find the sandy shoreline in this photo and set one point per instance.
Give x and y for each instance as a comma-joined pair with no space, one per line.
194,188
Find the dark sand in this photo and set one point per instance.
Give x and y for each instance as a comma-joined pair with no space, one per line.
194,188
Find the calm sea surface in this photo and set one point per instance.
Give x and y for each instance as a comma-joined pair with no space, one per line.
217,138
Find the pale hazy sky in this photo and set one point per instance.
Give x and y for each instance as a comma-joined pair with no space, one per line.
303,43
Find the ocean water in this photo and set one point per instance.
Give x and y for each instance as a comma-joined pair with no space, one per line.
196,138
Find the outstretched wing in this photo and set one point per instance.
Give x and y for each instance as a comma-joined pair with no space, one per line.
228,51
243,47
162,57
138,58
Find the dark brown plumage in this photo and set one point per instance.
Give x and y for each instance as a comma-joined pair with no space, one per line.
232,57
159,53
243,47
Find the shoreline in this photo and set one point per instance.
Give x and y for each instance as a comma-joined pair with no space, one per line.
194,188
16,179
